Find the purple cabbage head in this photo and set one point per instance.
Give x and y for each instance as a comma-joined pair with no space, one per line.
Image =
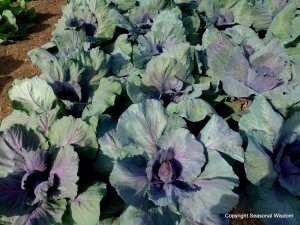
162,164
250,72
34,177
142,18
82,19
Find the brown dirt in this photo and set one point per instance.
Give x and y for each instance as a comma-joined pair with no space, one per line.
14,62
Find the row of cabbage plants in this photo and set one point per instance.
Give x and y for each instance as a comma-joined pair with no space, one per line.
15,19
157,112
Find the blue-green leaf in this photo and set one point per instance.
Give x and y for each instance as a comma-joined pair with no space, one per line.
217,135
130,180
85,208
215,195
75,132
142,124
193,109
32,95
47,212
262,117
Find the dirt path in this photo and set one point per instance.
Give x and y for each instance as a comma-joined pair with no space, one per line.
14,62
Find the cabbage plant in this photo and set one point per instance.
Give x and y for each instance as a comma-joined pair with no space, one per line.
272,160
15,19
35,180
169,166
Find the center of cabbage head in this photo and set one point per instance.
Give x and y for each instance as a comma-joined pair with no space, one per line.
32,179
166,172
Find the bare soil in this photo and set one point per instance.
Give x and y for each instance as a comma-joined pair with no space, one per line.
14,62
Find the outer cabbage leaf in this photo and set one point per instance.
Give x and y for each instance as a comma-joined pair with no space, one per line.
124,4
210,36
103,97
245,36
75,132
222,13
167,24
142,124
12,141
142,17
130,180
271,159
165,74
225,140
242,11
268,120
96,65
135,90
68,41
13,198
123,42
291,128
108,140
262,16
85,208
217,12
40,122
191,22
264,71
168,80
218,55
278,201
110,221
284,25
65,167
158,4
32,95
106,27
74,79
284,98
182,52
213,220
239,90
258,164
215,194
121,21
193,109
120,63
17,117
48,212
153,43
